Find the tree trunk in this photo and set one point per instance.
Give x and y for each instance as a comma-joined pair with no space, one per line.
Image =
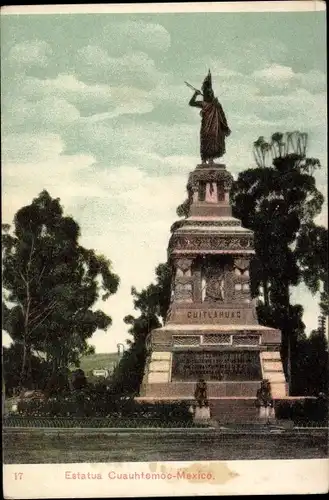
22,378
26,371
266,295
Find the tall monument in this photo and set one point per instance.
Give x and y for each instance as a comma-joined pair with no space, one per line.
211,330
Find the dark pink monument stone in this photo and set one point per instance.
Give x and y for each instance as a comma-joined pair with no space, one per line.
211,329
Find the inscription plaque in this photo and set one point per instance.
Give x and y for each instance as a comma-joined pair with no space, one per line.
214,314
216,366
188,315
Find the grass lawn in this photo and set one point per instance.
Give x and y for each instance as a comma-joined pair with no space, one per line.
80,445
96,361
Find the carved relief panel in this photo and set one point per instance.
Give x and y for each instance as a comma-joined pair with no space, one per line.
225,279
183,281
213,285
217,279
183,291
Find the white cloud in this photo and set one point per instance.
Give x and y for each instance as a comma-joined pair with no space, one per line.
30,53
28,148
134,67
278,77
275,72
95,99
130,105
65,85
136,35
49,113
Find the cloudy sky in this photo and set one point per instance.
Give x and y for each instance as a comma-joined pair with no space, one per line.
95,110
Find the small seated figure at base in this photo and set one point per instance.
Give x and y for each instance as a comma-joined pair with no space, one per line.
264,402
202,410
201,393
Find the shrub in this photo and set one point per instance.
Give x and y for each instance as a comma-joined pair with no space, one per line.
99,403
78,379
303,411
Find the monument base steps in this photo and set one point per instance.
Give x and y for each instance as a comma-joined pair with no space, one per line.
185,390
226,410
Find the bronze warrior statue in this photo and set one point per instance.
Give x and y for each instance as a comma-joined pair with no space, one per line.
214,127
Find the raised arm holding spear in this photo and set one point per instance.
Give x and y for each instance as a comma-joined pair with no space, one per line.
214,127
193,88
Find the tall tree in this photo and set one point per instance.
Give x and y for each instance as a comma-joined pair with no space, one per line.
279,200
152,304
312,255
51,284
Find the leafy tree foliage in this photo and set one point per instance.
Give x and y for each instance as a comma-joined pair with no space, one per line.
51,284
311,359
152,304
278,200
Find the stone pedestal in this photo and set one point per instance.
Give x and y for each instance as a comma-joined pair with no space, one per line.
211,329
266,415
201,415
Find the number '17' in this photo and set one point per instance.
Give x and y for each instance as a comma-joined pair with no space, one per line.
18,476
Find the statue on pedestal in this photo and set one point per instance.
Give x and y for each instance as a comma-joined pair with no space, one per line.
214,127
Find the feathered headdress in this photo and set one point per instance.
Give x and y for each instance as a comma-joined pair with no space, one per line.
207,83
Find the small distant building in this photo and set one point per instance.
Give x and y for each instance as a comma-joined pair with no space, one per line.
101,373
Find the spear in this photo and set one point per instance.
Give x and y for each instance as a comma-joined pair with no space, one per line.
193,88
